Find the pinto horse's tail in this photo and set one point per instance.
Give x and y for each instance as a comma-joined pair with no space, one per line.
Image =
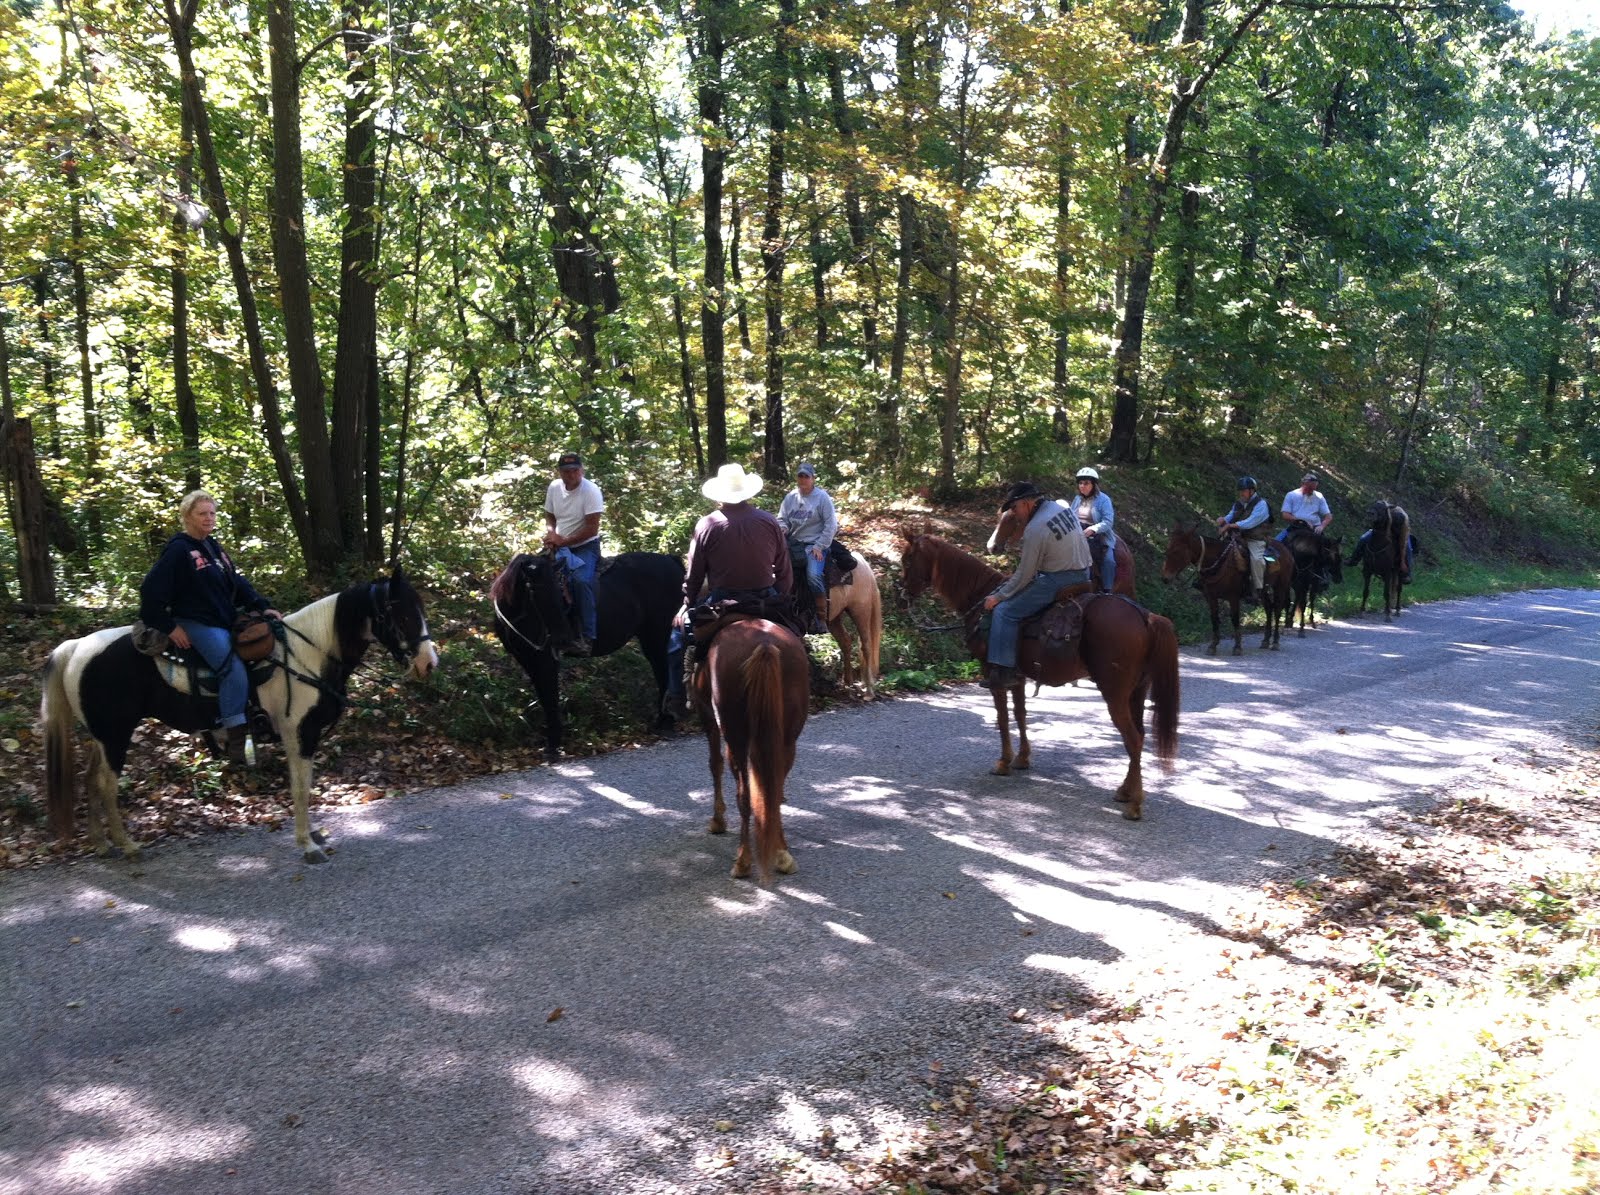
768,739
1163,672
55,718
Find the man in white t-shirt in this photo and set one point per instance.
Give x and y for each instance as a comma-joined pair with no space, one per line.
572,508
1305,505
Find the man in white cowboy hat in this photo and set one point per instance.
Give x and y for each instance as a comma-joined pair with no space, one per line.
738,550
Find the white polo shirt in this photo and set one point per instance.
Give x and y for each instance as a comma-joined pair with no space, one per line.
571,507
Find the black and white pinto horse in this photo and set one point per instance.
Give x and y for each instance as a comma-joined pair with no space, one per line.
636,596
102,681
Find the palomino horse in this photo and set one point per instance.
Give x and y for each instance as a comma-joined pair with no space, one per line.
1129,653
1224,575
1007,532
753,692
862,602
1384,555
102,681
1318,565
636,595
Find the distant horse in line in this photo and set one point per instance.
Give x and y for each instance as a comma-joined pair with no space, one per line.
1318,564
1384,555
104,682
753,692
1224,566
1007,532
636,596
1129,653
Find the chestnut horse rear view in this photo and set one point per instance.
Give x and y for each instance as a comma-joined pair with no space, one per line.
753,693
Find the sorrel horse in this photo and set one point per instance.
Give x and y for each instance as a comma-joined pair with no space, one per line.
104,682
1318,565
1006,532
1224,566
1384,554
753,692
636,595
1128,652
864,604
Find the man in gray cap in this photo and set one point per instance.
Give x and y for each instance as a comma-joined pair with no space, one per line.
810,523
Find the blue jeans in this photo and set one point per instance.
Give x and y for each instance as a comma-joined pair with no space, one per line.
813,567
1009,614
678,641
581,564
1108,566
215,645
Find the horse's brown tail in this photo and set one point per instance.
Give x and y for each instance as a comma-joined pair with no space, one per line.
55,718
766,737
1163,672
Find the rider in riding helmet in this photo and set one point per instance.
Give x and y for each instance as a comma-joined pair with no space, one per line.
1054,555
1304,504
1095,516
1248,516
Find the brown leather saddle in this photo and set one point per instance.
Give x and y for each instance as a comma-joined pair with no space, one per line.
1047,645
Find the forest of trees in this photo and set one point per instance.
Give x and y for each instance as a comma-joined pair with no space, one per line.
363,271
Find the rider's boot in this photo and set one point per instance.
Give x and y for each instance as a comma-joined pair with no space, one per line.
236,743
819,621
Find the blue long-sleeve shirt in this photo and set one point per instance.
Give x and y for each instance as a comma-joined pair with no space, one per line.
195,579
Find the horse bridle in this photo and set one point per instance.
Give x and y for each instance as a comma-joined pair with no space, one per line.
547,644
382,622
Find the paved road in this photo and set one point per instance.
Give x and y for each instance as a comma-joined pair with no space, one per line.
220,1017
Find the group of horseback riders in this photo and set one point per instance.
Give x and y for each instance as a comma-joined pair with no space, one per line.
1304,511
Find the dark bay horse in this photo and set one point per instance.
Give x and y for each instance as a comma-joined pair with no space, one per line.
103,681
1007,532
636,596
1318,565
1224,566
1129,653
1384,555
753,692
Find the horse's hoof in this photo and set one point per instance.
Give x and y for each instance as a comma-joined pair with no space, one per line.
1238,651
315,854
716,826
784,864
1021,763
1000,769
1133,814
1302,632
1212,650
1122,797
741,869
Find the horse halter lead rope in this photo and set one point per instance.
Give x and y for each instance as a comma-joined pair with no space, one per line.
547,644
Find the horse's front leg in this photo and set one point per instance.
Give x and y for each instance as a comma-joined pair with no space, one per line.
842,638
102,812
1024,752
1238,631
300,791
1216,627
719,810
1002,720
1127,715
546,674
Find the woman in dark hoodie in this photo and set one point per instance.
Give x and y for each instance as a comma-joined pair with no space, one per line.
193,594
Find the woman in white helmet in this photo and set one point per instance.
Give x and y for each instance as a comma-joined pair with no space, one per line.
1095,516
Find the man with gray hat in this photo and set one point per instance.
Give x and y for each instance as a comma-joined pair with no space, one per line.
1305,505
1055,554
810,523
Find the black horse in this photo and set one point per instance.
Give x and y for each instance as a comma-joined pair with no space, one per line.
1383,555
1318,564
636,596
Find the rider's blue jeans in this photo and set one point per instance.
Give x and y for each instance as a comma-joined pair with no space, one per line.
814,569
1034,597
215,645
581,564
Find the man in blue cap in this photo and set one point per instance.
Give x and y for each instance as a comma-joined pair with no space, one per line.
810,523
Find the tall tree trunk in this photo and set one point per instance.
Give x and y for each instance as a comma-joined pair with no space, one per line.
844,123
905,56
950,421
755,404
680,326
1418,392
188,411
327,545
80,329
1186,92
713,159
774,250
354,364
584,272
29,505
179,24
